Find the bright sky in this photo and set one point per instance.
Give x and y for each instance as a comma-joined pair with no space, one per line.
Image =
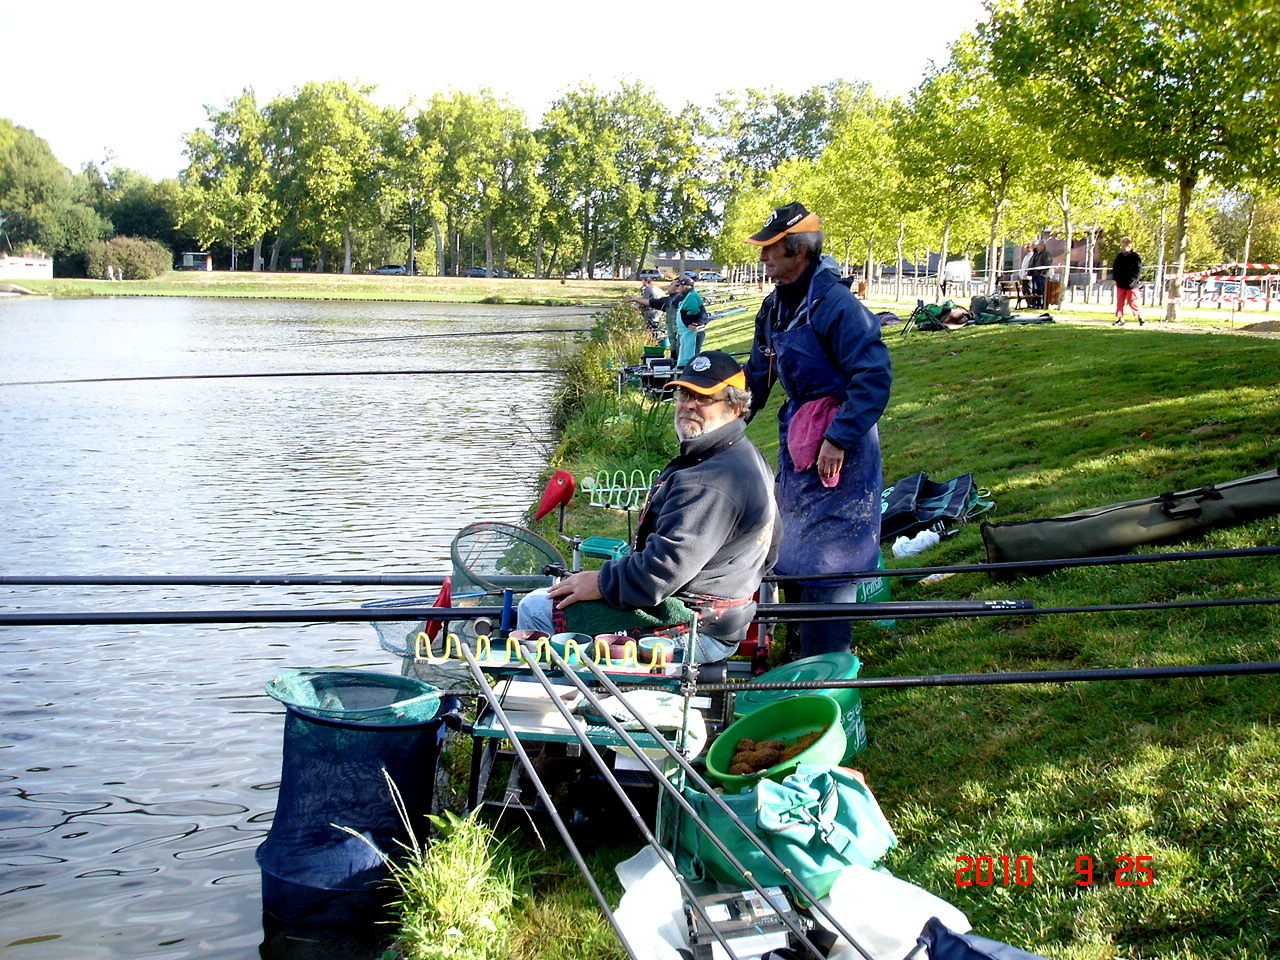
123,82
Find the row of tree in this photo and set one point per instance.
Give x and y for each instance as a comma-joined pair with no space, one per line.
1149,118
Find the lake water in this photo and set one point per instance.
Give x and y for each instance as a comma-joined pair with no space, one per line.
139,764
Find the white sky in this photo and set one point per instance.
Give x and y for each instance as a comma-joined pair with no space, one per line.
125,81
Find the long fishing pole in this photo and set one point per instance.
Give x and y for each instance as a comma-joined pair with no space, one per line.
991,679
297,373
234,580
1036,564
771,612
435,580
441,336
691,775
898,609
523,757
608,776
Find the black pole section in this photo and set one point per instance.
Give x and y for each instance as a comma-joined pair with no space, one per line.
429,580
775,612
608,776
532,771
253,376
297,615
1038,564
769,612
989,679
234,580
840,611
440,336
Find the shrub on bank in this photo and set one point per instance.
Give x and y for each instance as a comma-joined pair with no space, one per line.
617,339
136,258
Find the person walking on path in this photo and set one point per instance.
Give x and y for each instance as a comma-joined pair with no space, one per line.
1125,271
823,346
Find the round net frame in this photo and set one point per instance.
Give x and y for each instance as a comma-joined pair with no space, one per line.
490,557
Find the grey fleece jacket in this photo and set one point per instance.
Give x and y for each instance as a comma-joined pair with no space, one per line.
710,531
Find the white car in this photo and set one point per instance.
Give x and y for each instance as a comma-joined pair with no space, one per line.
711,276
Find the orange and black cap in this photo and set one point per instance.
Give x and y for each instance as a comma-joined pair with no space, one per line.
793,218
710,371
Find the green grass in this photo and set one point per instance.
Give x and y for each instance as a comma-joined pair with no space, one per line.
1053,419
1185,771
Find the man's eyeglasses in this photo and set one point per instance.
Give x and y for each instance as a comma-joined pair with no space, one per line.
686,396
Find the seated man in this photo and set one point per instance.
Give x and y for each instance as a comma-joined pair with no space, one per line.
709,530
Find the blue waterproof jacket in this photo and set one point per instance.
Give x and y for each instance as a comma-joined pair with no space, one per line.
826,345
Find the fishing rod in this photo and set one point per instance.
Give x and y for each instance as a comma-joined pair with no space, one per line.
251,376
691,775
767,612
990,679
235,580
857,611
1035,564
435,580
531,771
440,336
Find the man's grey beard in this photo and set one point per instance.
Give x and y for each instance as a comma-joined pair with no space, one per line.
688,428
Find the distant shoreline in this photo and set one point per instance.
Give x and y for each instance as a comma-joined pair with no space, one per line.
336,286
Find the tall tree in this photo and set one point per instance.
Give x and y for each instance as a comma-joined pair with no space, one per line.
603,166
228,191
40,205
1178,89
959,128
325,152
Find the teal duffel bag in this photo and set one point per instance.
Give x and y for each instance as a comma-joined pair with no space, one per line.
817,821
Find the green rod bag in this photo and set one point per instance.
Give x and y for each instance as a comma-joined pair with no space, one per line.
1119,527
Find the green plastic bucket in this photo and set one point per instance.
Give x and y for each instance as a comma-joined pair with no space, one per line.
786,720
827,666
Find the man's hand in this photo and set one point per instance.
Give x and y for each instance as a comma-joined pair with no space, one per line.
830,460
579,586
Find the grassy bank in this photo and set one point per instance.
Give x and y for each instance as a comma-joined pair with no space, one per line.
1185,772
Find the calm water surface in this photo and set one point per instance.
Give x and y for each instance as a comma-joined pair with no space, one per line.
139,765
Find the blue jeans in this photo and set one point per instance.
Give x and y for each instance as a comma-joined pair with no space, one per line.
810,638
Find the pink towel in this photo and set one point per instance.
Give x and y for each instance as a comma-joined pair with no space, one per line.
804,434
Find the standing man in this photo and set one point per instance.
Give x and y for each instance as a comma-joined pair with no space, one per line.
708,531
686,318
649,291
1125,271
693,322
823,346
1038,267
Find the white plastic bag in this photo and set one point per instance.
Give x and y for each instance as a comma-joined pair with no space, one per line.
884,914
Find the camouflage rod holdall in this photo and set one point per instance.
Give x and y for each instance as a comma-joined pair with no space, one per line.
1119,527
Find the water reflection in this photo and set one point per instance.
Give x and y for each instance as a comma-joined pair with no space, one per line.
141,763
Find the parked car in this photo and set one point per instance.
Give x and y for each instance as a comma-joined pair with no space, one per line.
1231,288
392,269
649,275
711,276
473,272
